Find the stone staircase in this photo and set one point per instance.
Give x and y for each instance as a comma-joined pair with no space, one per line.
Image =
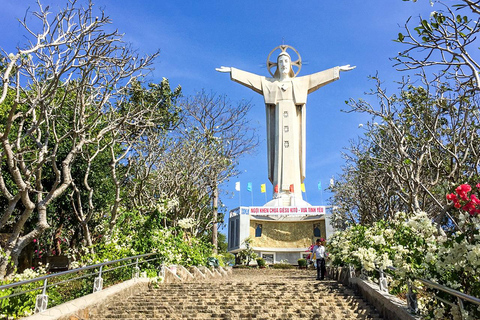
247,294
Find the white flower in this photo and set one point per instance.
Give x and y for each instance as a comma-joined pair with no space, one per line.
186,223
379,240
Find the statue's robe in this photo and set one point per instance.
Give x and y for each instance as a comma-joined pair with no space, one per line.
285,104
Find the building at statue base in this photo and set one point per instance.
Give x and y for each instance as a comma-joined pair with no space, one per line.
278,234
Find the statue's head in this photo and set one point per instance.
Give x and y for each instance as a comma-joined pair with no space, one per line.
284,65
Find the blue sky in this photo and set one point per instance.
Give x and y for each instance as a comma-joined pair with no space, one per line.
195,37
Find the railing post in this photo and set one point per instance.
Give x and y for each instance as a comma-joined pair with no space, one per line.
411,298
41,302
352,271
162,271
98,283
363,275
382,282
136,271
460,307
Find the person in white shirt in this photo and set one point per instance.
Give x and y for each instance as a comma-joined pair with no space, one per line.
319,254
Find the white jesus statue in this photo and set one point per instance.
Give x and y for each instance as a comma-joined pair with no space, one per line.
285,98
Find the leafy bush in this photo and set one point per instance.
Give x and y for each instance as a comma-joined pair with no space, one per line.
225,259
24,304
246,255
134,234
261,262
419,248
302,262
282,266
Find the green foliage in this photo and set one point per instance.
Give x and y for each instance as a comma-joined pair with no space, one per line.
417,248
302,262
24,304
225,259
260,262
137,233
282,266
247,255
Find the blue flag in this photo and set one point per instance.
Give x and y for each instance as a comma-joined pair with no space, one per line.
249,186
320,185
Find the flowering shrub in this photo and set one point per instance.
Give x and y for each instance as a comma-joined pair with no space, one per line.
418,248
461,200
134,234
21,305
186,223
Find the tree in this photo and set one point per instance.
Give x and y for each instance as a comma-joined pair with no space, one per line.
422,140
62,95
225,131
446,41
419,144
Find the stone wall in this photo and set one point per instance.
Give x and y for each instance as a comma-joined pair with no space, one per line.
284,234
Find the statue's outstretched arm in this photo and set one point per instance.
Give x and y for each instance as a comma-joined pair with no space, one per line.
249,80
319,79
224,69
346,68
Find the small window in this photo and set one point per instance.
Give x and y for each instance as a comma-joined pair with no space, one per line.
268,257
316,231
258,230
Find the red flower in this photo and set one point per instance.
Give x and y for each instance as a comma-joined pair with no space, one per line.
478,185
462,191
475,200
452,197
469,207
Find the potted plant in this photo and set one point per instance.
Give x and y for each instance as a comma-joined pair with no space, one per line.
261,263
302,263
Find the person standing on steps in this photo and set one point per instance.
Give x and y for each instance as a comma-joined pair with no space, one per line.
319,254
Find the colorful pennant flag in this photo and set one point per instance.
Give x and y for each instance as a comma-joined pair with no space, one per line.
249,186
276,189
302,186
291,188
319,185
331,183
263,188
237,185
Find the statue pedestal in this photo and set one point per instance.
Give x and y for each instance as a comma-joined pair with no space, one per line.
286,200
278,233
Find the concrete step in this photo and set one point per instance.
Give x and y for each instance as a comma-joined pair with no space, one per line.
289,294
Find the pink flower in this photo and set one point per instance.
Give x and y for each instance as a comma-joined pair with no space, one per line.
34,240
478,185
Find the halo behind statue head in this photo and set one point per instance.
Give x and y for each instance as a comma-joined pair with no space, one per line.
283,48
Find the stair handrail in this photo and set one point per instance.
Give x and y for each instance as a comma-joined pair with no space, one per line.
42,299
411,298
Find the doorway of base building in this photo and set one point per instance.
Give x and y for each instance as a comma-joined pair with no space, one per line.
268,257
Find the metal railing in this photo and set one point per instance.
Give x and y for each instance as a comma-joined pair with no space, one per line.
41,302
412,302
